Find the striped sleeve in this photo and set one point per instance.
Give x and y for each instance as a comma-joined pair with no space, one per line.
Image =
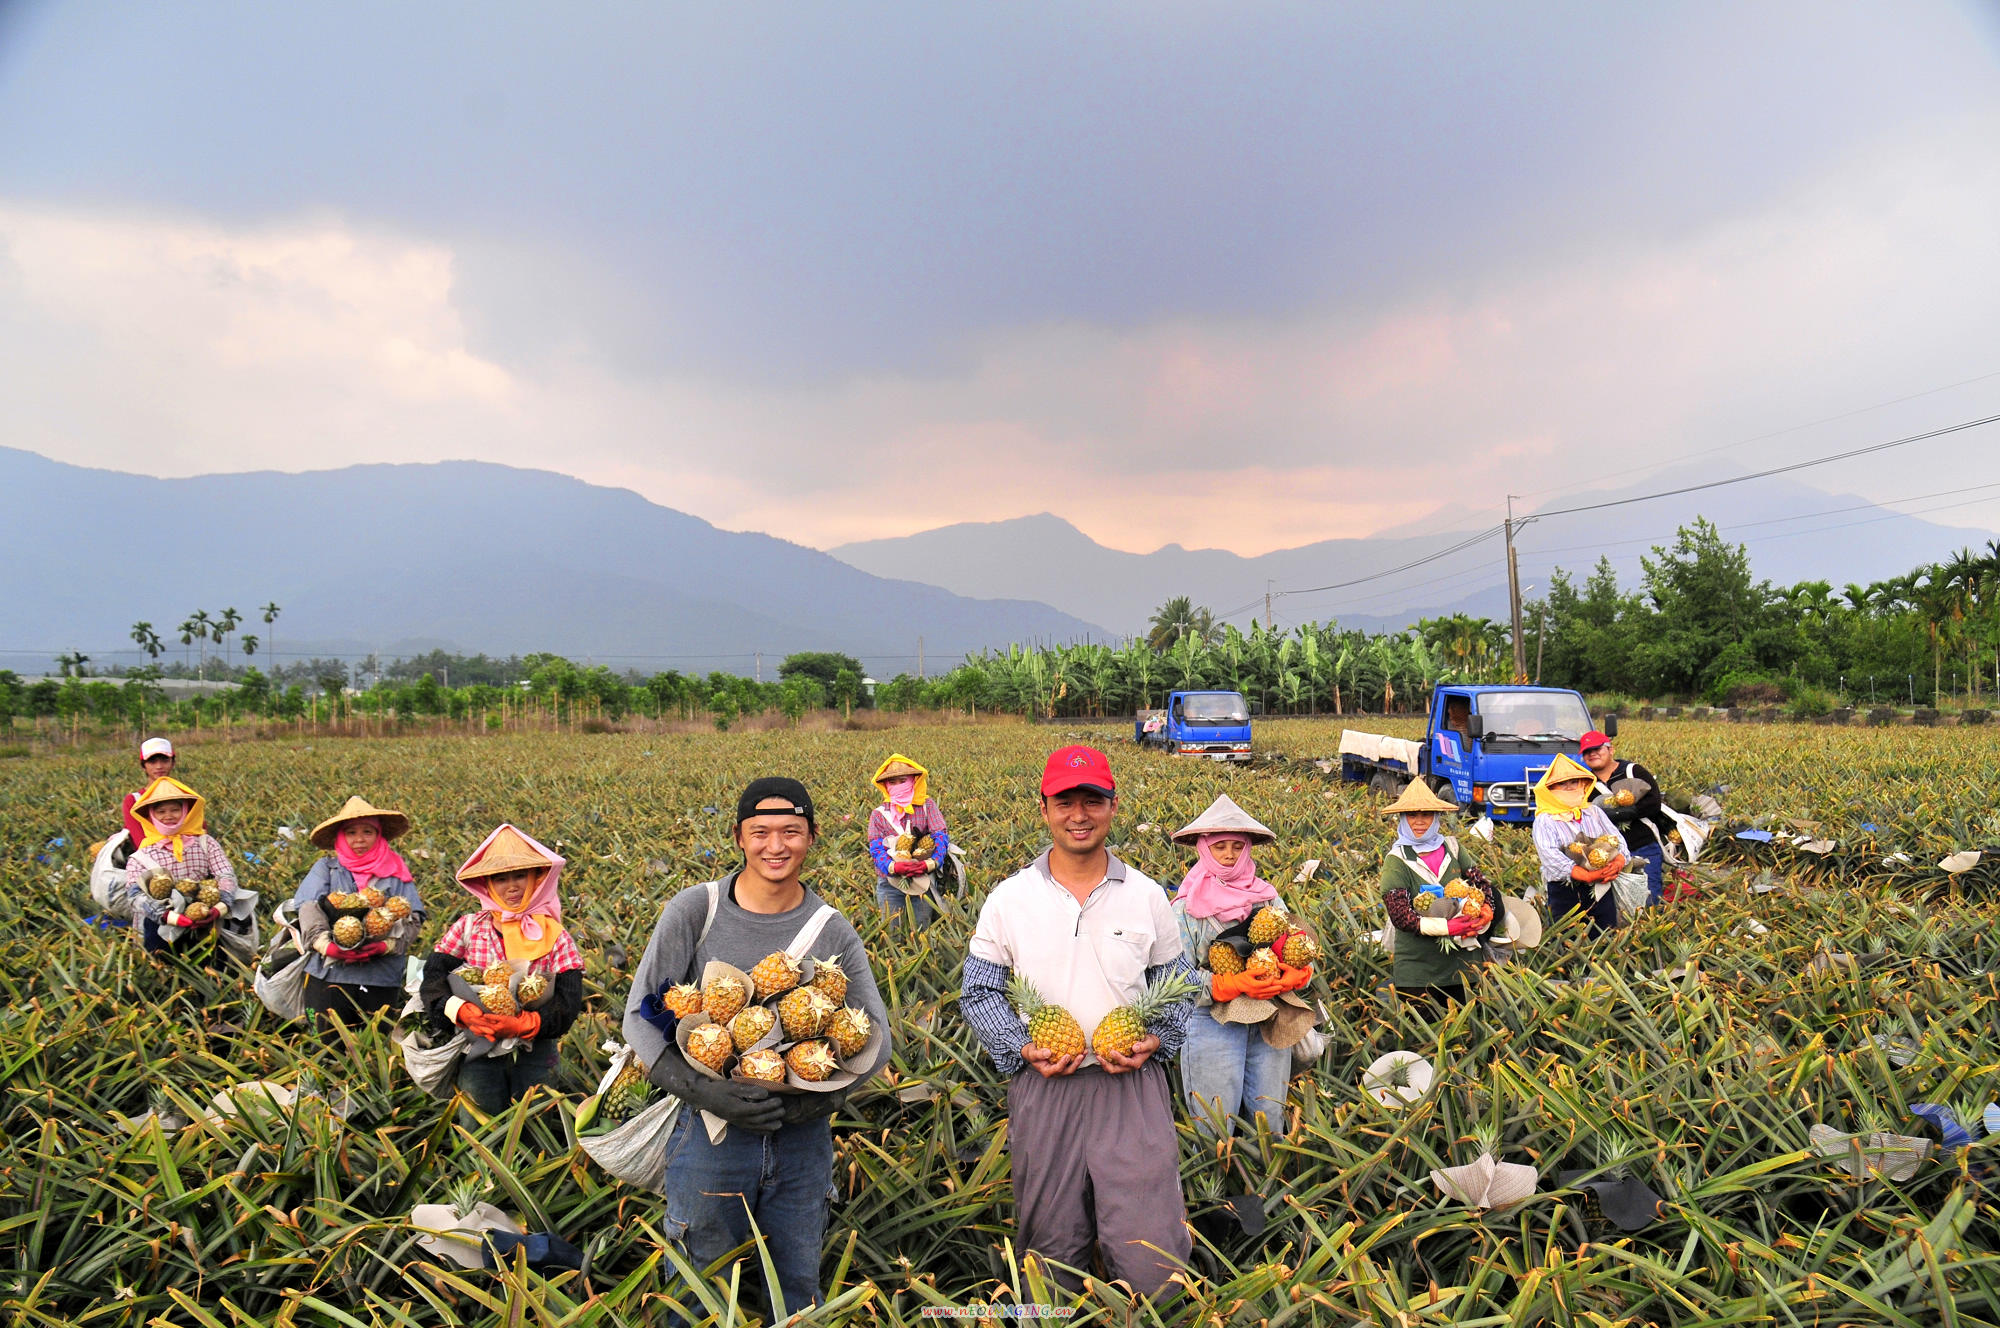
982,999
1171,1024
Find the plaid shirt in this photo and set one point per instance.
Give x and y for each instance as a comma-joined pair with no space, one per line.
201,859
473,938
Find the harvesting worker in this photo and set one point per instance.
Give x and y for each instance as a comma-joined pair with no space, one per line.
175,842
519,921
1638,821
1440,907
354,983
156,758
907,841
1564,817
773,1161
1238,1053
1091,1136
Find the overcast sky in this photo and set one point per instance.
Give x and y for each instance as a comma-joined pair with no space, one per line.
1233,275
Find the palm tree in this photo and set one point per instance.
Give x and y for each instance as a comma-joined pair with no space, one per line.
224,626
199,622
147,638
1178,618
249,644
271,612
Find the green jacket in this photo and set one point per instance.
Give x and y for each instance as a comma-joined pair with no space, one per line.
1420,961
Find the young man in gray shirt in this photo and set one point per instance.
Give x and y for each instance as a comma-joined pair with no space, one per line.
775,1161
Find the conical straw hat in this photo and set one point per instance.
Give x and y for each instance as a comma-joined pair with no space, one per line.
393,823
1418,797
1224,817
508,852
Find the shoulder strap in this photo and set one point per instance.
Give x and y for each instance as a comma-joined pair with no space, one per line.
714,889
810,932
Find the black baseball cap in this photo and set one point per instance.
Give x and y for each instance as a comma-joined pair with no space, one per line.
775,786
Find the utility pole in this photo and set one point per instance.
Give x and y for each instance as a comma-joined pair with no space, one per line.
920,657
1514,599
1267,604
760,666
1541,634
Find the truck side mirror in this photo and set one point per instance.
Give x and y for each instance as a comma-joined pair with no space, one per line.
1475,727
1611,726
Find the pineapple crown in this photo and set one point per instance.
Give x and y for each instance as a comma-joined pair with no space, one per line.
1024,996
1167,991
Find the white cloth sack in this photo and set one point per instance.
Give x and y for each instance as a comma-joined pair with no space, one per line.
238,931
284,992
1632,893
1694,833
107,881
635,1152
435,1069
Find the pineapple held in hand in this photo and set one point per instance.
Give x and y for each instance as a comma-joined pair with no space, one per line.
1124,1026
722,997
1263,963
776,972
159,885
1050,1027
812,1060
1602,852
830,979
1223,959
766,1065
348,933
534,989
804,1012
1298,950
682,1000
750,1025
627,1093
209,893
711,1046
847,1028
1268,924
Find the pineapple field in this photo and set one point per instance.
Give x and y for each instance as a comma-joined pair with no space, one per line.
1766,1102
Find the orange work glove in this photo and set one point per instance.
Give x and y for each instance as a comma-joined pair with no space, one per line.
524,1025
1291,979
1228,986
475,1020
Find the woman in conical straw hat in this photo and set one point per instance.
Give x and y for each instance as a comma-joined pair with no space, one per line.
905,878
1565,824
354,983
518,921
1439,905
1228,1066
176,842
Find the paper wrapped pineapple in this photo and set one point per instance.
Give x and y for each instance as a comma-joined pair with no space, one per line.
505,988
785,1024
1458,899
907,847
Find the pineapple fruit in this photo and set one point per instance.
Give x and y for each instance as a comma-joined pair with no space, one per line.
848,1029
812,1060
804,1011
499,972
626,1094
723,997
159,885
1576,848
1263,963
1298,950
470,975
397,908
765,1064
210,893
710,1045
497,998
534,989
1124,1026
1268,924
1623,797
376,923
830,979
199,912
776,972
372,897
1050,1027
1223,959
682,999
348,933
750,1025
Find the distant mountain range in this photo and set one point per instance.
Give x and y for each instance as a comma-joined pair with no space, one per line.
1048,558
462,556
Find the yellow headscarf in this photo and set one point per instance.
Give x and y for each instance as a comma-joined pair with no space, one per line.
168,789
917,794
1560,769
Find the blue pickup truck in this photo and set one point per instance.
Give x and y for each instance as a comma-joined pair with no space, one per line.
1488,744
1211,724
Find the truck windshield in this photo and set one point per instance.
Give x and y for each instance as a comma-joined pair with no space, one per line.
1548,716
1218,708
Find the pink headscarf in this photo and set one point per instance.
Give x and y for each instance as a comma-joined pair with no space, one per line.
379,863
543,901
1227,894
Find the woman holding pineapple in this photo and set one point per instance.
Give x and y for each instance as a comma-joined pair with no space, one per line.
1231,921
1581,852
352,982
1439,906
518,926
176,847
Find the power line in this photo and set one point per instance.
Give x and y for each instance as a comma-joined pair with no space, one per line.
1851,453
1462,545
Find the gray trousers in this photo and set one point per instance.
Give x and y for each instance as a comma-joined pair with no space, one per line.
1096,1161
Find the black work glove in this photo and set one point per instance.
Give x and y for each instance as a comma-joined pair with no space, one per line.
801,1107
751,1106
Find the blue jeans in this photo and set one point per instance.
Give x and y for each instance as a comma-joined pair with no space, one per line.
914,910
1652,858
783,1180
496,1083
1231,1067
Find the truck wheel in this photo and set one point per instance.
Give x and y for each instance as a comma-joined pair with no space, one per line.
1386,784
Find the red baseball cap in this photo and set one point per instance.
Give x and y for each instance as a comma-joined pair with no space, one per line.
1078,768
1590,740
